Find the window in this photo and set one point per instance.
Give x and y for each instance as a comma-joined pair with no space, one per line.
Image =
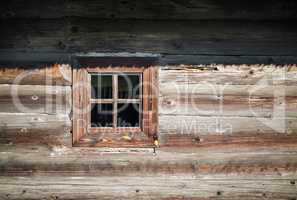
115,101
115,106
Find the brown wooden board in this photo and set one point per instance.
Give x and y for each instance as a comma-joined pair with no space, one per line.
57,74
35,129
46,99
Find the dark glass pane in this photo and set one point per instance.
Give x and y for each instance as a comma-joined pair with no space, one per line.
128,115
101,115
128,86
101,86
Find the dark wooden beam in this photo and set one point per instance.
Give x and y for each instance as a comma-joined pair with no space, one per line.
204,38
27,60
156,9
37,59
93,61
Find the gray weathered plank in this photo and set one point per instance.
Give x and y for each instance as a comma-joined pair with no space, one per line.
35,99
222,90
222,125
258,74
33,128
227,105
154,187
38,160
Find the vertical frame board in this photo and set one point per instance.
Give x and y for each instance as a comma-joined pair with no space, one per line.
150,105
81,103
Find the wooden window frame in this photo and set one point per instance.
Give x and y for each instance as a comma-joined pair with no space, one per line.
86,136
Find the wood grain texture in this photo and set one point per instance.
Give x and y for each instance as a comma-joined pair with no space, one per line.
258,74
227,141
176,59
33,128
212,125
223,106
81,103
222,90
126,139
22,160
155,187
43,75
31,59
232,38
35,99
228,105
169,174
162,9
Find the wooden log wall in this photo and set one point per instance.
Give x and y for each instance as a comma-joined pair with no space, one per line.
228,105
35,105
256,160
187,32
226,130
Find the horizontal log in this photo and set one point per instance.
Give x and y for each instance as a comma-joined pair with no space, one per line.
204,88
35,99
29,59
162,9
155,187
213,125
217,74
175,59
222,90
32,128
12,59
227,105
217,38
227,141
46,75
35,160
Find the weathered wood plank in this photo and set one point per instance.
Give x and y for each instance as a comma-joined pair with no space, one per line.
184,88
81,104
35,99
36,59
155,187
186,37
12,59
221,125
227,141
227,105
60,161
217,74
175,59
222,90
248,38
44,75
162,9
32,128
